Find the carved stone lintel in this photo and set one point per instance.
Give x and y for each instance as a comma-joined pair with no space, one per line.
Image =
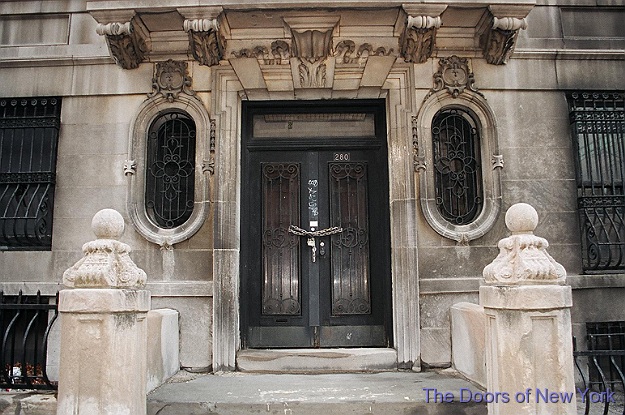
106,263
170,79
454,75
130,167
207,44
523,257
127,42
418,39
498,42
497,161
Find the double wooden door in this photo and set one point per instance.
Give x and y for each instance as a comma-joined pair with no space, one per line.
315,247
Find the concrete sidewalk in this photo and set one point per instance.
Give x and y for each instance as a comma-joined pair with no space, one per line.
357,393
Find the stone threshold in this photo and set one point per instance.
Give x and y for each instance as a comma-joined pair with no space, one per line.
317,360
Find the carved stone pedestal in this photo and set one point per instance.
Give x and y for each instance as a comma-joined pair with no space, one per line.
103,327
529,355
103,351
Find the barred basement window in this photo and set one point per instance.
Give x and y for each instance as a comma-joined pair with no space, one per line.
29,130
170,172
598,132
457,170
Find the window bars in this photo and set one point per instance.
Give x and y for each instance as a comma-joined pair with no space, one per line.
25,324
457,170
170,176
29,129
597,124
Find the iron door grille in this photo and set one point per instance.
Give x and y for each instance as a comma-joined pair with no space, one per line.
597,124
29,129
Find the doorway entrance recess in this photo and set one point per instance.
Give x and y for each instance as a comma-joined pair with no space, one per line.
315,245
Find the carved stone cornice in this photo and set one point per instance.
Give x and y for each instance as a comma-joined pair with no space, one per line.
498,42
127,42
418,39
454,75
206,43
170,79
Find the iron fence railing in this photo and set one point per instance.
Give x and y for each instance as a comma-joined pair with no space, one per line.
25,324
602,378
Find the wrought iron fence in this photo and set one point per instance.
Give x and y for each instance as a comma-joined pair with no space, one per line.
25,324
601,371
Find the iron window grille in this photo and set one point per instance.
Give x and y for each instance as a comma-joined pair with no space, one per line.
170,176
457,170
29,130
597,124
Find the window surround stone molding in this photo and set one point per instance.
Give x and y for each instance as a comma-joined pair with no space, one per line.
134,168
492,162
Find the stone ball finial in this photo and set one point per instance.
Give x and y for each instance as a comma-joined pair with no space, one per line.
107,224
521,218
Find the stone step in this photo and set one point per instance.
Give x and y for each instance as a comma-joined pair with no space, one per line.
387,393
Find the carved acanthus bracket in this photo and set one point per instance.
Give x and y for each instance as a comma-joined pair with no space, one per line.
127,42
418,39
170,79
206,43
498,42
454,75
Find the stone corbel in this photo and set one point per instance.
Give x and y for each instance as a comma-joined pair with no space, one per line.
206,43
498,40
418,39
127,42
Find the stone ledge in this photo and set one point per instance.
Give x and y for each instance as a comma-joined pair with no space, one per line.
526,297
317,360
580,282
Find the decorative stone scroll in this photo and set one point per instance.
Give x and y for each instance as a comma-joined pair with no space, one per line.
207,44
280,53
345,48
418,39
523,257
498,42
127,42
170,79
455,76
106,263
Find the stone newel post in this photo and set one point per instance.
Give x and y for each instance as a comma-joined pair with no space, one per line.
103,327
529,352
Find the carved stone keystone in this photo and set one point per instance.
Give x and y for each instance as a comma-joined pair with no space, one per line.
528,323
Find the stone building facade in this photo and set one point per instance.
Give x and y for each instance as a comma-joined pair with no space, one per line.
439,115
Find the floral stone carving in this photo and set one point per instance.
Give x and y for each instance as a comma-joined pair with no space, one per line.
523,257
106,263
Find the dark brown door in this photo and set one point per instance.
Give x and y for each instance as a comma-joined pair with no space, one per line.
315,247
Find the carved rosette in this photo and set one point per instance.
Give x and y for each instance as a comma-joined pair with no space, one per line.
418,39
170,79
523,257
206,43
454,75
126,41
106,263
498,42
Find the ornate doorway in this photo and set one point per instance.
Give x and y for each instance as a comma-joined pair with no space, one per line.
315,246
